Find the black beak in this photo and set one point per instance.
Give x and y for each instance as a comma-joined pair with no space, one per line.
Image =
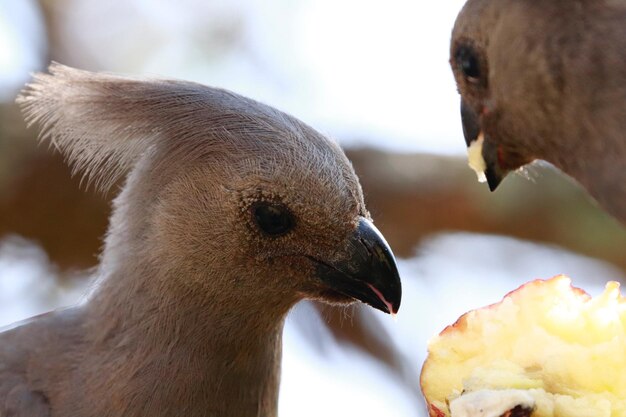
471,123
471,131
368,272
493,173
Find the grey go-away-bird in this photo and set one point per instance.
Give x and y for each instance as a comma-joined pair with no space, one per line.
546,80
231,212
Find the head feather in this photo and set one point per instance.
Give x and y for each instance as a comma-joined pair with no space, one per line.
103,123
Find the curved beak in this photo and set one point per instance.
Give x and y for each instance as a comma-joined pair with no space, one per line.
479,146
368,271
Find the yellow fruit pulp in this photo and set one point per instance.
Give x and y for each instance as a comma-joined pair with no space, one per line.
564,348
475,158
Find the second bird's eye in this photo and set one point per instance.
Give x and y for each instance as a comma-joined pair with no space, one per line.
467,61
273,218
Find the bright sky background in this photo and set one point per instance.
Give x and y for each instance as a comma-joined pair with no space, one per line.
21,40
366,72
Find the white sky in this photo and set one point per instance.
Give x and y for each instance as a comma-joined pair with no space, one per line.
363,71
21,40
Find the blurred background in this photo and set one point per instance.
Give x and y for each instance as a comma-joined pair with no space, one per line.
373,75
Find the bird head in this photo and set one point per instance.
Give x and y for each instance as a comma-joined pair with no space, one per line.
224,195
508,58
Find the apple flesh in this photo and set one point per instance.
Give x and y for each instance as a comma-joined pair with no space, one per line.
475,158
546,350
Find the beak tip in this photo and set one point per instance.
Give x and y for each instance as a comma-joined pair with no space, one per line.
395,306
493,178
390,303
394,310
369,273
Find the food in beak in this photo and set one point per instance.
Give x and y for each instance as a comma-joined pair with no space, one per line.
475,158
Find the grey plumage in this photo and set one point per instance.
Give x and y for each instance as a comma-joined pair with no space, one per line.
230,213
547,80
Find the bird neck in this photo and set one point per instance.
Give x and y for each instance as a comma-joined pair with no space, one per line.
597,160
176,339
588,117
184,353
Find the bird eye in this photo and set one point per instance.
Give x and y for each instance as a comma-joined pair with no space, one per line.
273,218
467,61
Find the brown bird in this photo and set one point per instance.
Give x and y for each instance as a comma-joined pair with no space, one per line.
231,213
546,80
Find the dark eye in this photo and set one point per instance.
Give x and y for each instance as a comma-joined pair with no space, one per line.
273,218
467,61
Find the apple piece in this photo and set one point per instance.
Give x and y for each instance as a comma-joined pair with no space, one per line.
546,350
475,158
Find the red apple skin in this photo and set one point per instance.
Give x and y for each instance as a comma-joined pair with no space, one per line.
435,412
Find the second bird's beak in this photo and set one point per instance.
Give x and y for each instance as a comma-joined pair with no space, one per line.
368,272
482,153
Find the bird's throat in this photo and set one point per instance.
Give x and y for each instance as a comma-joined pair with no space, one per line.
187,357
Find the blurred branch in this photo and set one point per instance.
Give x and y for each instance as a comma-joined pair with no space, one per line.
413,196
410,197
40,201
